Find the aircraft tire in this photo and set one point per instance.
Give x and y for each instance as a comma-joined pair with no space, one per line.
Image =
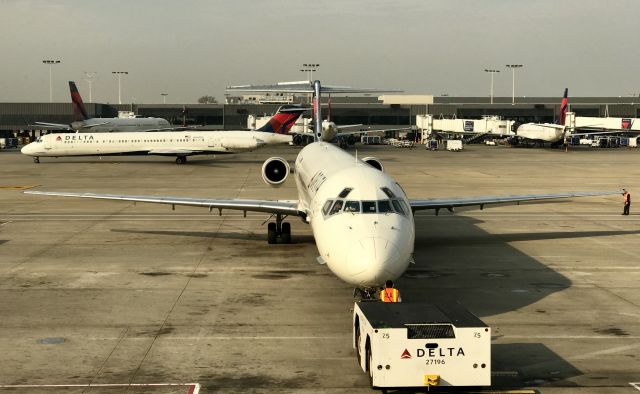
36,160
181,159
272,234
370,367
286,233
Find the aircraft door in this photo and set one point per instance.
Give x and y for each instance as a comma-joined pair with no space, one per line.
213,142
47,141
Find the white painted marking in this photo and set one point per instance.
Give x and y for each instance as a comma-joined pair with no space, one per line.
614,350
636,385
194,386
571,337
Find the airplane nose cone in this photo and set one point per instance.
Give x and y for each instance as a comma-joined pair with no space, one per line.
371,261
26,150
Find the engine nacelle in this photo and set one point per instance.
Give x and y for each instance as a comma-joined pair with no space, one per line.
374,162
275,171
240,143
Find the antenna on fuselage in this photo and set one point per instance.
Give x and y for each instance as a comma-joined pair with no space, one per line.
317,132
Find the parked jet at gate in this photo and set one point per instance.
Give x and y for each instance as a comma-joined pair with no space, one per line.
179,144
83,123
361,218
546,132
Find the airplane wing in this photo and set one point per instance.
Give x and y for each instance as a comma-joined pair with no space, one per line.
553,126
348,126
172,128
286,207
92,125
451,203
174,152
53,126
304,87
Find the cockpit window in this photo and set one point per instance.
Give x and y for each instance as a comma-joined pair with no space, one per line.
325,208
384,206
352,206
39,139
369,206
388,192
399,206
332,207
337,207
345,192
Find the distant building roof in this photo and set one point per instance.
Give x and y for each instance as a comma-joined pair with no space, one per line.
406,99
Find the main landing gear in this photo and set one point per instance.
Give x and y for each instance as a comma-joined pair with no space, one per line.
181,159
36,160
279,229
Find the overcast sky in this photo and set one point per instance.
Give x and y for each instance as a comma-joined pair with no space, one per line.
190,48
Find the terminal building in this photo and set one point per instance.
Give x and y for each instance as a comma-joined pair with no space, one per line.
387,111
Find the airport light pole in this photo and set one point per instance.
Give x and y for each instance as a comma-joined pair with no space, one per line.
119,74
89,77
492,72
513,81
310,68
50,63
164,97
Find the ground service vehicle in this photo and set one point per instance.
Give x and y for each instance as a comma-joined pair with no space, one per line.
419,344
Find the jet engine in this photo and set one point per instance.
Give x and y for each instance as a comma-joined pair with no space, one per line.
297,140
241,143
374,162
275,171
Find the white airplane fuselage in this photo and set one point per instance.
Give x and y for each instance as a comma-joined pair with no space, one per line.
363,249
143,143
540,132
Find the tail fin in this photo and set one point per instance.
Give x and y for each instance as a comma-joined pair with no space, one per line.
283,120
79,111
564,107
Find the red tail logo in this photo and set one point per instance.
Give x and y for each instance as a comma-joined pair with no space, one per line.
282,121
564,107
405,354
79,111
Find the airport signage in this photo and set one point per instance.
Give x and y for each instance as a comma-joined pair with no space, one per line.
468,125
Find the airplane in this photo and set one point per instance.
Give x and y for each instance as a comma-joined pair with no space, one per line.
331,132
545,132
166,143
83,123
361,218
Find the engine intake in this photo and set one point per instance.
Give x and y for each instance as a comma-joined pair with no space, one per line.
275,171
374,162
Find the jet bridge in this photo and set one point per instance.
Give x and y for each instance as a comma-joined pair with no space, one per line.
489,126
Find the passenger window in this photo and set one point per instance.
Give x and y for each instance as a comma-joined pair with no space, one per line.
337,207
398,207
325,208
352,206
384,206
369,206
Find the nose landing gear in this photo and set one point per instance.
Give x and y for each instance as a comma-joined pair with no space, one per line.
36,160
279,229
366,293
181,159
